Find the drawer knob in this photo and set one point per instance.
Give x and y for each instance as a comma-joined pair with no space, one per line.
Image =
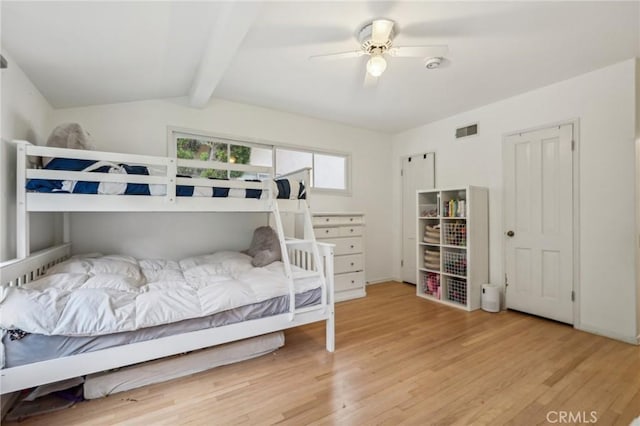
326,231
351,230
352,263
352,282
327,219
352,246
351,219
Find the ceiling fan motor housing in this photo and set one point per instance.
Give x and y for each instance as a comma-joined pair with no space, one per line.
364,37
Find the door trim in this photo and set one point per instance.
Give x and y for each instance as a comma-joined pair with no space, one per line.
575,164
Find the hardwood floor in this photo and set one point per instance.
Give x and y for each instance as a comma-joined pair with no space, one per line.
399,360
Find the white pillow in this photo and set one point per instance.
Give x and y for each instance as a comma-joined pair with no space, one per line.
72,266
116,266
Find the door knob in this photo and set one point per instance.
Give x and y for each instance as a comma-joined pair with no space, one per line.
510,233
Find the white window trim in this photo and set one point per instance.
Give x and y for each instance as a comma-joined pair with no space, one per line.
174,132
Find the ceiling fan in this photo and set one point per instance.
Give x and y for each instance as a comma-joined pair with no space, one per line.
376,40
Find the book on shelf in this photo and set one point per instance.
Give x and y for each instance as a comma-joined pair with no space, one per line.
455,208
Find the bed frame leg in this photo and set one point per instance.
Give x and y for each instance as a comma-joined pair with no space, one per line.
331,332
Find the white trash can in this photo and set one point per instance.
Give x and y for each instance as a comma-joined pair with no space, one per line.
490,298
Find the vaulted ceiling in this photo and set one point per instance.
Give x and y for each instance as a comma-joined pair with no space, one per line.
86,53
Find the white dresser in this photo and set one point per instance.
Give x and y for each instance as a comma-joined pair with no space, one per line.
346,231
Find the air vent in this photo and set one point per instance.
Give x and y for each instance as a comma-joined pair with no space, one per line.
467,131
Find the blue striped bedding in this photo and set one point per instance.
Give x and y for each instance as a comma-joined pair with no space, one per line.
285,188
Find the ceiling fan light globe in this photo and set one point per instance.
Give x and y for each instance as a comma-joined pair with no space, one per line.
376,66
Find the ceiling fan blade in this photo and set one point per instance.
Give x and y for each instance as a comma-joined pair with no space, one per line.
369,80
381,31
336,56
419,51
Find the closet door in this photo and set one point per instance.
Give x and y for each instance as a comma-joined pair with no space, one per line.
539,222
418,172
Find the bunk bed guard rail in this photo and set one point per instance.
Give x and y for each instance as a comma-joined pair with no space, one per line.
165,168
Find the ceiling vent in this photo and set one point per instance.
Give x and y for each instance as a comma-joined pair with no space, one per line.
463,132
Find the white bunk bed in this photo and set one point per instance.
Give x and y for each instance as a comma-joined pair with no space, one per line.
316,259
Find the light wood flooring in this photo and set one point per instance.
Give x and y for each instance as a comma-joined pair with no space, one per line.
399,360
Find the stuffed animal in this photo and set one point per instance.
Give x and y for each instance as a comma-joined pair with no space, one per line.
68,135
265,247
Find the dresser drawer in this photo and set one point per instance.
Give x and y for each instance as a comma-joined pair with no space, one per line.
337,220
350,220
326,232
346,245
349,281
350,263
350,231
325,220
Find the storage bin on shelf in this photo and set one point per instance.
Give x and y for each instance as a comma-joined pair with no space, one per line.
456,290
432,258
454,262
432,234
454,233
429,210
430,284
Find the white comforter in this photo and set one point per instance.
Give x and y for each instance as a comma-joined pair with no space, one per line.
95,295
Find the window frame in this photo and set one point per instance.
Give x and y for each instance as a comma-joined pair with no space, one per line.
173,133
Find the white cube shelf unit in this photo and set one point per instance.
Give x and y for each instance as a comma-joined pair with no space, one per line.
453,245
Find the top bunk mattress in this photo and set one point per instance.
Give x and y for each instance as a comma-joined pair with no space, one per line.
283,188
96,295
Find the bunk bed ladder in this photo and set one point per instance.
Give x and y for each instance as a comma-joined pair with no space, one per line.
285,259
317,260
317,270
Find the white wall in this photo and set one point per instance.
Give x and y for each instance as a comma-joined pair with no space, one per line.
141,127
604,102
25,114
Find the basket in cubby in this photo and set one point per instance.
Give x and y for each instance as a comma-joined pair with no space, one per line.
454,262
432,258
429,210
455,233
456,290
432,234
430,284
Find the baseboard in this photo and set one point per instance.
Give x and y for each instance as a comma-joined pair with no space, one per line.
634,340
380,281
399,280
342,296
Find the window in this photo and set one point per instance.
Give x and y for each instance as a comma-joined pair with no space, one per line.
192,147
288,160
329,171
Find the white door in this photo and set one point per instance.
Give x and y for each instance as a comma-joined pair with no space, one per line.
418,172
538,222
